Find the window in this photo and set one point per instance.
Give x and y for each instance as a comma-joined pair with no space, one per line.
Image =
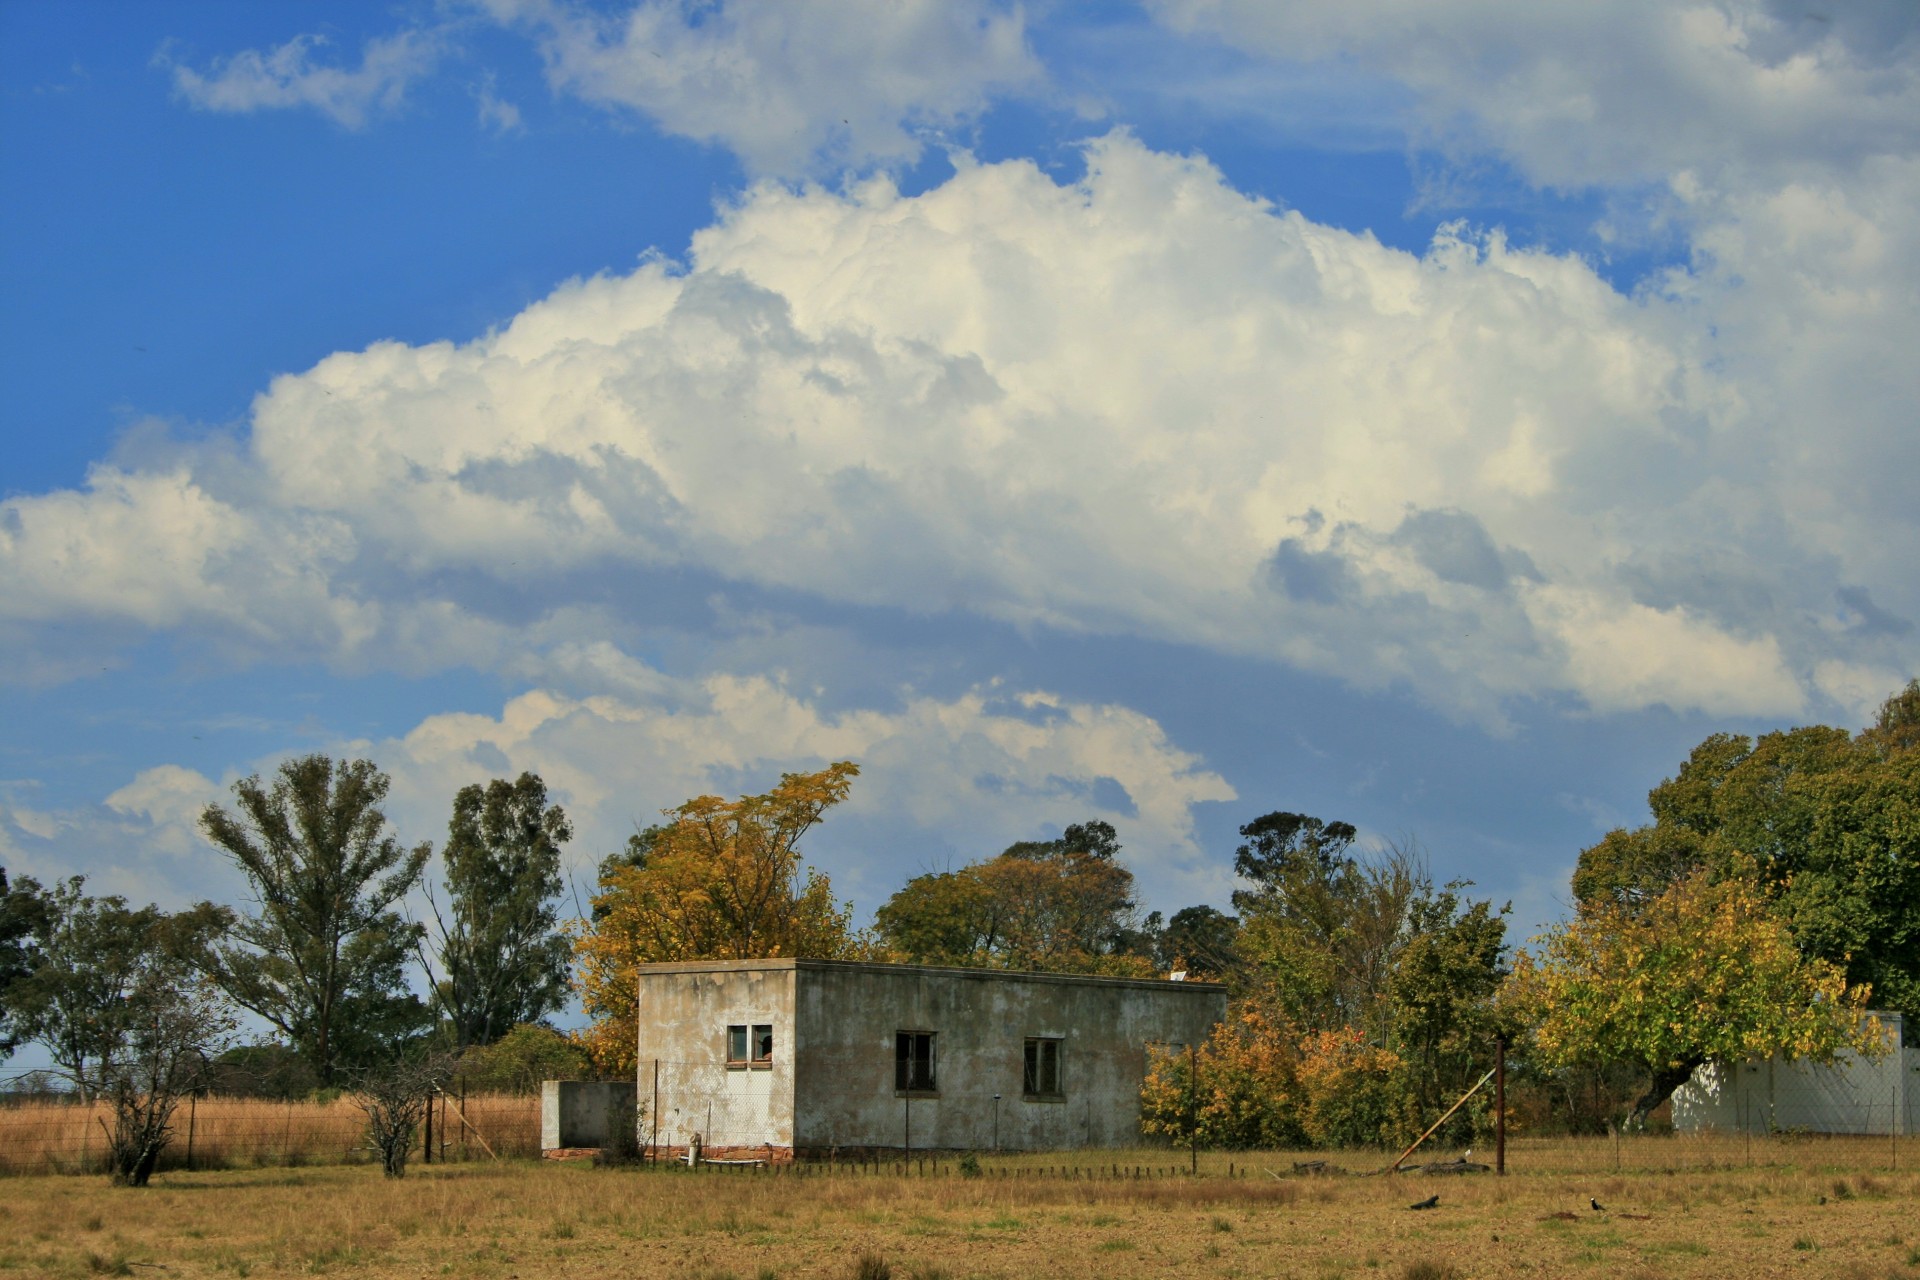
913,1062
1042,1076
750,1046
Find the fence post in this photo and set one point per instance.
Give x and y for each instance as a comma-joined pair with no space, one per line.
656,1111
1499,1106
193,1105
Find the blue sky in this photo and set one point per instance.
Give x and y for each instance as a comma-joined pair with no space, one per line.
1438,416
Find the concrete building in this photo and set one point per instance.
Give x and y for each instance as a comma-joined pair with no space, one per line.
777,1056
1852,1094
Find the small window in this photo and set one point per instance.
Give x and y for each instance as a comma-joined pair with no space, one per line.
1042,1076
913,1062
762,1045
736,1044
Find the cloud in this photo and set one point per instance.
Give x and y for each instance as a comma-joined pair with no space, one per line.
1630,92
792,88
288,76
943,780
1136,404
142,842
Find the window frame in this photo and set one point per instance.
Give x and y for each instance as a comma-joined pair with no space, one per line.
908,1080
740,1030
758,1034
1033,1069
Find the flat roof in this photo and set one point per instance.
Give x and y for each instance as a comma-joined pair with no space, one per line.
1024,975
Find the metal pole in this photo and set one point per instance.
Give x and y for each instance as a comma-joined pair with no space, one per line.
427,1138
656,1111
996,1122
193,1104
909,1121
1500,1106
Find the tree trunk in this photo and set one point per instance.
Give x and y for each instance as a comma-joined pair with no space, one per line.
1665,1080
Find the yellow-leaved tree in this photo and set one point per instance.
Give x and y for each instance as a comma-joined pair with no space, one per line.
1702,972
721,880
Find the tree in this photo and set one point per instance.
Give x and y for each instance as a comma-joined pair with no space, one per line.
1322,929
723,880
115,1003
395,1097
1829,824
503,959
20,909
521,1059
1442,992
324,958
1287,849
1202,939
1061,906
90,955
171,1023
1702,972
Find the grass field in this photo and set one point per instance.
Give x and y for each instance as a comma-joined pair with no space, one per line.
233,1133
528,1219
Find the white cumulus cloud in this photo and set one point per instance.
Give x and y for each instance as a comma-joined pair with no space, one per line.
793,87
1136,404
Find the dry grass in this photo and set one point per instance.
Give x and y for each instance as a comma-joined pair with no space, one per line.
527,1219
235,1133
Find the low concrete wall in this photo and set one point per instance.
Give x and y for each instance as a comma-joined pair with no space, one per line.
588,1114
1853,1094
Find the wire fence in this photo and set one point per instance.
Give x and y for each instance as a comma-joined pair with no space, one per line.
1859,1116
43,1133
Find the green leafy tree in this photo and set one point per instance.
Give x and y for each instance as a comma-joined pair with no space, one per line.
1703,972
90,957
1061,906
522,1059
1828,822
1321,929
502,958
323,959
1201,939
113,999
1443,991
21,908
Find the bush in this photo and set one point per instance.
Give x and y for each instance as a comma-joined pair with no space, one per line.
518,1061
1357,1095
1246,1096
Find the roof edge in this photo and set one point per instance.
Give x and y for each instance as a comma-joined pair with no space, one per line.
780,963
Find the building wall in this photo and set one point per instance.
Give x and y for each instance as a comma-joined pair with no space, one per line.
848,1015
684,1012
1852,1094
576,1114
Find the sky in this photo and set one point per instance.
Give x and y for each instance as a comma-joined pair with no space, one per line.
1438,415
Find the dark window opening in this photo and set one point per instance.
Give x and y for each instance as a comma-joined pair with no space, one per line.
913,1062
762,1044
1042,1076
737,1044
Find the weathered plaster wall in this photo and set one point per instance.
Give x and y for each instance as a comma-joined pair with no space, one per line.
1852,1094
684,1013
581,1113
847,1016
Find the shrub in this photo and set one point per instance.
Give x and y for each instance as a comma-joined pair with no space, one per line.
518,1061
1246,1095
1356,1094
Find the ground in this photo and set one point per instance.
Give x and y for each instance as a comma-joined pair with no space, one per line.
527,1219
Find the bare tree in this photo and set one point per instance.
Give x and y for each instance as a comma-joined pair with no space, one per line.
395,1098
